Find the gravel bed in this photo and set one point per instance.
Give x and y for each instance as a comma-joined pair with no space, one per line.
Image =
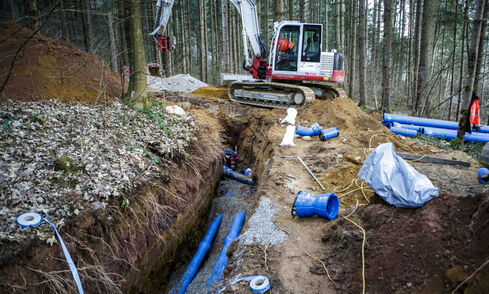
261,228
109,151
178,83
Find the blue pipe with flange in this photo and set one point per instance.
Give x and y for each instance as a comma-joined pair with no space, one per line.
427,122
313,130
204,247
329,133
404,132
307,204
483,175
452,134
222,260
409,127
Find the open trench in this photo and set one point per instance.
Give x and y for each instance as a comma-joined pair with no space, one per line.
146,248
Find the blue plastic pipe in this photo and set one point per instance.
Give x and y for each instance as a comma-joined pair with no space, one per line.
202,250
452,134
313,130
404,132
307,204
229,173
223,258
409,127
483,175
329,133
421,121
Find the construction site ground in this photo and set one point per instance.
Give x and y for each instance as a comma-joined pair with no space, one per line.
425,250
135,246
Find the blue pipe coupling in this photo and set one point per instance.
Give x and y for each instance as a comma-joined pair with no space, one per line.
483,175
329,133
307,204
313,130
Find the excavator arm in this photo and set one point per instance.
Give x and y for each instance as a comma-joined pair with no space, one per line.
163,12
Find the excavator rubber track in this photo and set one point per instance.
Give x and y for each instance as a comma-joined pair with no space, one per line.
270,94
323,91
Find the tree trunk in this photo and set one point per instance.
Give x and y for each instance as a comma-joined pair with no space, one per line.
326,28
183,41
386,69
201,44
362,47
481,47
425,58
87,25
291,9
34,14
112,43
416,43
279,10
64,26
189,37
15,10
454,51
224,47
461,74
473,55
303,10
353,48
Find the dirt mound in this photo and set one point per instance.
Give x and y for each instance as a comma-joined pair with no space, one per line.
53,69
410,250
211,92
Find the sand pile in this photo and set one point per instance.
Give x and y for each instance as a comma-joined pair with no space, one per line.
53,69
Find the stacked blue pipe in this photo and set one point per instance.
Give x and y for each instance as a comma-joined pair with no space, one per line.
313,130
329,133
452,134
223,258
389,118
409,127
404,132
307,204
196,261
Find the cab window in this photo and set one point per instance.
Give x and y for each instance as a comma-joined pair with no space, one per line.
286,49
311,44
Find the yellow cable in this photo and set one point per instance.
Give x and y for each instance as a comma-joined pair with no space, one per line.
363,245
336,191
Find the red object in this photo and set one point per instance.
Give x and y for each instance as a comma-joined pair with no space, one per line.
475,119
258,68
166,43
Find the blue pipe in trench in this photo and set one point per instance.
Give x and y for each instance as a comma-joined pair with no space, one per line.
204,247
313,130
231,236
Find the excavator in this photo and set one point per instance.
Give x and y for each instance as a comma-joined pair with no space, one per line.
295,71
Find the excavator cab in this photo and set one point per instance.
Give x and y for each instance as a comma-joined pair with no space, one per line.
304,61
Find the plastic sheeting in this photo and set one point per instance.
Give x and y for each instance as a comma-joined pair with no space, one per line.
396,181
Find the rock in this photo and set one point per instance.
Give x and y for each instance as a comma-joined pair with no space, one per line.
306,138
176,110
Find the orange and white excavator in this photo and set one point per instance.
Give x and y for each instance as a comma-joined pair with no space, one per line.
296,70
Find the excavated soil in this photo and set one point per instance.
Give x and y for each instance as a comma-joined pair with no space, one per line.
53,69
427,250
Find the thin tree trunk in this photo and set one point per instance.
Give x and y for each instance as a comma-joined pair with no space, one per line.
15,10
202,40
291,9
362,47
138,65
87,25
425,58
279,10
454,51
189,37
353,48
473,55
34,14
224,48
64,26
326,26
112,43
386,69
417,44
481,47
338,25
303,10
461,74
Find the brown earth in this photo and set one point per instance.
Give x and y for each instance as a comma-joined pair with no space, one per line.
406,249
53,69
